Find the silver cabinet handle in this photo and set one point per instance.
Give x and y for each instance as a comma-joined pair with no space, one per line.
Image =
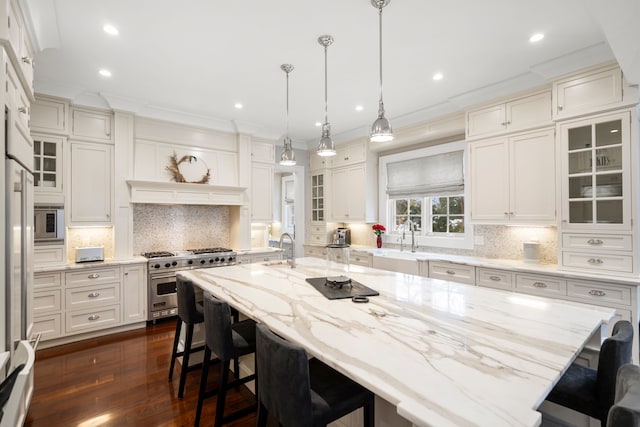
597,293
595,242
93,276
93,317
560,107
495,278
451,272
346,158
94,295
595,261
539,285
26,60
23,110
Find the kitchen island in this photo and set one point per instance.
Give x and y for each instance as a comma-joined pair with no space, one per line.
442,353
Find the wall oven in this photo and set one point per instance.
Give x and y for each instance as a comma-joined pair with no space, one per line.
48,224
163,266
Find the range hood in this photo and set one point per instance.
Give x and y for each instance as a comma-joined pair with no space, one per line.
178,193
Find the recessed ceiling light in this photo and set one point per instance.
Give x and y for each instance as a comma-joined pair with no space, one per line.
318,124
238,105
110,29
359,108
105,73
536,37
437,76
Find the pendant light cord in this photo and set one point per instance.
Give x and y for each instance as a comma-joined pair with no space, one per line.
326,120
380,5
287,107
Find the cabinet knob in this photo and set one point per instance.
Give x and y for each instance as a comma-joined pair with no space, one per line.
93,317
595,242
451,272
93,276
94,295
23,110
26,60
506,213
539,285
597,293
494,278
560,107
595,261
346,158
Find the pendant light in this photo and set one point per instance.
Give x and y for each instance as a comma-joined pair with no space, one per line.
381,129
326,147
288,157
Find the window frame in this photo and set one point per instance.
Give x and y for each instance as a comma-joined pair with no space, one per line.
387,210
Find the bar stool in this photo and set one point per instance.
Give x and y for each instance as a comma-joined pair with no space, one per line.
191,314
590,391
227,341
298,392
626,409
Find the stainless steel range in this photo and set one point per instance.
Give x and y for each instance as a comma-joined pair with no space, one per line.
163,266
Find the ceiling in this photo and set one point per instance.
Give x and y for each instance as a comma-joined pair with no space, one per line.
191,61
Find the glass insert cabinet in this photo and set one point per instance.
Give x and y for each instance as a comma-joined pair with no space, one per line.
596,172
47,163
317,197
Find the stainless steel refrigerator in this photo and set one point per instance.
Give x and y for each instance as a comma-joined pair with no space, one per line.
17,266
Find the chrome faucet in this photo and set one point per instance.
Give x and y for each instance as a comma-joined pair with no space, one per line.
412,229
293,257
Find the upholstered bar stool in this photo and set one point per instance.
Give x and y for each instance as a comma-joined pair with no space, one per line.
590,391
190,313
299,392
228,341
626,409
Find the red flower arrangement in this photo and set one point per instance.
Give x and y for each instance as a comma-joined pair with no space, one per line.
378,229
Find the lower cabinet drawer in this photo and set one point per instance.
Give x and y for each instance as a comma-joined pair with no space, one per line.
46,301
48,327
98,318
363,259
460,273
315,251
266,257
604,262
49,255
622,242
47,280
496,279
92,296
541,285
318,239
92,277
599,294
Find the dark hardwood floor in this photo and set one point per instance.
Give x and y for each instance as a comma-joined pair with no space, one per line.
121,380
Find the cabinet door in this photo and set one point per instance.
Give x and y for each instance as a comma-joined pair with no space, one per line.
91,183
532,171
486,121
91,125
47,165
262,152
490,181
317,162
348,155
262,192
317,197
597,90
339,196
529,112
596,184
134,291
49,115
348,194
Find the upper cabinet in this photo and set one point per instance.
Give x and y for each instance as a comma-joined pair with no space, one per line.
513,179
50,115
263,152
261,192
593,91
92,125
348,155
13,30
518,114
47,168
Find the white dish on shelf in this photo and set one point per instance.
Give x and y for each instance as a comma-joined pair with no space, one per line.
609,190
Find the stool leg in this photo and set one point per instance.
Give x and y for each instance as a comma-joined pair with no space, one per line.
262,415
222,393
175,348
203,384
369,413
185,359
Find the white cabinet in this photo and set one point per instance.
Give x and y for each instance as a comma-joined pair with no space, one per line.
362,258
47,305
513,179
49,255
47,168
494,278
527,112
315,251
596,231
399,265
90,184
262,152
50,115
317,162
134,293
255,257
348,195
91,125
592,91
15,32
348,155
461,273
261,192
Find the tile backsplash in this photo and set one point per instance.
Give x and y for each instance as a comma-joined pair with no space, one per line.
179,227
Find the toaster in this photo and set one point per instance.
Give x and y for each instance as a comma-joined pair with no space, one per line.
90,253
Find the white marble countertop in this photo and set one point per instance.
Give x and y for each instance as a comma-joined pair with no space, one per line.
443,353
92,264
254,251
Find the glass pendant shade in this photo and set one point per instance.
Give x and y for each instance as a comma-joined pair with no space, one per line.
381,130
288,157
326,147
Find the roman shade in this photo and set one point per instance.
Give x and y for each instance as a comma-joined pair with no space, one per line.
438,175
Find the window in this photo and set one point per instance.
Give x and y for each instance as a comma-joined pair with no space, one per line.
425,188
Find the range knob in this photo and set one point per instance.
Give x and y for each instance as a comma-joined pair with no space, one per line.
174,263
217,259
211,261
202,261
167,265
190,262
156,266
231,259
